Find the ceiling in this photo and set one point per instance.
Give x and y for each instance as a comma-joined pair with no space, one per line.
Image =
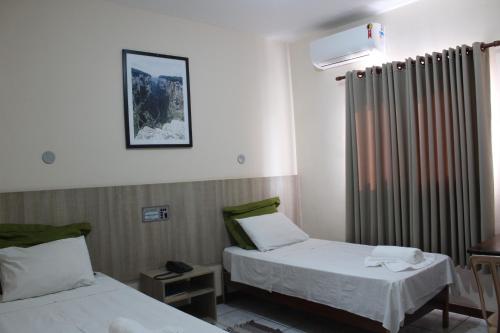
277,19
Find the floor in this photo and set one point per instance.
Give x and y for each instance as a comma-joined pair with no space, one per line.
290,321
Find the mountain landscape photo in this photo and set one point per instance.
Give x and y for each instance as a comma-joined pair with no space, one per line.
158,107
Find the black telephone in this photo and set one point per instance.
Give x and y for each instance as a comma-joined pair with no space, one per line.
178,267
174,269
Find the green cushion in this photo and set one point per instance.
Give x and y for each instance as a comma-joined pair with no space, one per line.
26,235
237,234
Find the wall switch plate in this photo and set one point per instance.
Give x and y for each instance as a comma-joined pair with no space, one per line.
155,214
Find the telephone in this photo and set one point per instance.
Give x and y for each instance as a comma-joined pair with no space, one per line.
174,269
178,267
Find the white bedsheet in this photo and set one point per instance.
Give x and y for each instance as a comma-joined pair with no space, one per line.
334,274
91,309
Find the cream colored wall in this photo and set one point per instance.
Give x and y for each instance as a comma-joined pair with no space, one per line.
61,89
319,101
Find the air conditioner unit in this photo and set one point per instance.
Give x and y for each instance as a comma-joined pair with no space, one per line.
348,46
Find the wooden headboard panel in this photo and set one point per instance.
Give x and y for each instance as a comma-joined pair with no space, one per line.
121,245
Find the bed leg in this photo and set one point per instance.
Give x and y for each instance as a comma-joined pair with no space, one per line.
446,309
224,286
446,317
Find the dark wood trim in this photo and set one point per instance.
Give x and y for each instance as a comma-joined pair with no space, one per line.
440,301
467,310
488,247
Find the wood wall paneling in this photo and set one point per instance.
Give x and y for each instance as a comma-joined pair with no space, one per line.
120,245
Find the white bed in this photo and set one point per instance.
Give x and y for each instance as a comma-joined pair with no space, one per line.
333,274
91,309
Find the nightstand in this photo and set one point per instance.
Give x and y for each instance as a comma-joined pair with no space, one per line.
193,292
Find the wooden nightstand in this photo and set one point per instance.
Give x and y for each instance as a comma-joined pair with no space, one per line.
193,292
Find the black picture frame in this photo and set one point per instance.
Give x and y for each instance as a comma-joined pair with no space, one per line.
148,106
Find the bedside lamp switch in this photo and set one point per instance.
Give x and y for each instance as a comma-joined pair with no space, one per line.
155,214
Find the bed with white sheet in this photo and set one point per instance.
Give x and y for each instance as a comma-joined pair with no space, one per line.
334,274
91,309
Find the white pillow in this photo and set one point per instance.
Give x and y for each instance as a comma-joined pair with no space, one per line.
44,269
272,231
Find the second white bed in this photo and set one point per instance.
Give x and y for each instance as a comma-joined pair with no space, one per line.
333,273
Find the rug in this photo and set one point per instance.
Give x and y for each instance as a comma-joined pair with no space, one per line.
252,327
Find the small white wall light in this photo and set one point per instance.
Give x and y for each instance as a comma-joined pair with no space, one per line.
241,159
48,157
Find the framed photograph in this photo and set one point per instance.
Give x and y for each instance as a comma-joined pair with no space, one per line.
157,100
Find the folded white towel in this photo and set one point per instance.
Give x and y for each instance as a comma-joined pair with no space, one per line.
398,265
124,325
410,255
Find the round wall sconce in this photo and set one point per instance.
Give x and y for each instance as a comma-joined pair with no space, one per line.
48,157
241,159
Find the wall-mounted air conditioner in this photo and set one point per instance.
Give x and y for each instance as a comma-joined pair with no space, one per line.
348,46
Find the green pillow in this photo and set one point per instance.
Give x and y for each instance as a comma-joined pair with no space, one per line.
237,234
26,235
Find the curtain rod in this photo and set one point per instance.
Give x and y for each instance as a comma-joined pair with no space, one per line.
484,46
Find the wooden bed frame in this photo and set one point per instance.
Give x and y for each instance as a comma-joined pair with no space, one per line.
440,301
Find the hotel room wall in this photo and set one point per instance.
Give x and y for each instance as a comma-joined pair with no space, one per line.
319,101
61,90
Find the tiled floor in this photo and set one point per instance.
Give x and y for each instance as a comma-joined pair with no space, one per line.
290,321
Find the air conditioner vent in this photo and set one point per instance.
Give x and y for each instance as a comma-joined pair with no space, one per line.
348,46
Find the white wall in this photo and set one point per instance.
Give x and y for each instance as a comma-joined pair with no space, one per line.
319,101
61,89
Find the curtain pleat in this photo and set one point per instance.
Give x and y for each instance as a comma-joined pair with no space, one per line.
418,148
389,145
464,227
432,156
400,175
423,138
449,182
413,155
442,238
483,121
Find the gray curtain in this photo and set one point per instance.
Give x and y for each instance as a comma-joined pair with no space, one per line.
419,166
